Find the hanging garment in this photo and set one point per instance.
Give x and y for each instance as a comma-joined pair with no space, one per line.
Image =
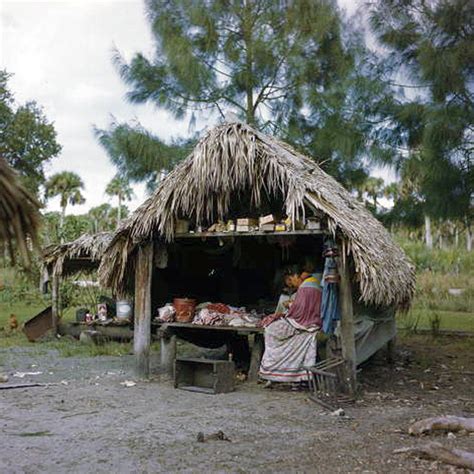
330,313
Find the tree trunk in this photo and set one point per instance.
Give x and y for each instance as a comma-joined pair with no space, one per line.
433,450
441,423
440,240
61,223
468,238
428,235
55,309
247,34
142,331
347,325
119,210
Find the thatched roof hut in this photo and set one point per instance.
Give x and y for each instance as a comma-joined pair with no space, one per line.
19,214
234,164
82,254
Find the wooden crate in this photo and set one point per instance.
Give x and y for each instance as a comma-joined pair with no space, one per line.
39,325
204,375
325,383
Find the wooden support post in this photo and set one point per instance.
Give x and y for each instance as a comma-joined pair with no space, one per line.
391,350
142,331
55,302
347,327
256,357
168,354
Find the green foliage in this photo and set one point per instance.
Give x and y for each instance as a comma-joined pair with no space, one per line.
27,139
453,260
119,187
294,68
239,55
138,154
67,185
73,227
430,46
100,218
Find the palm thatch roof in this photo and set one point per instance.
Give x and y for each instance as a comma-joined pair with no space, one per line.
234,160
82,254
19,215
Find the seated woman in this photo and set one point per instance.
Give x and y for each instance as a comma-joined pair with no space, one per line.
287,296
290,340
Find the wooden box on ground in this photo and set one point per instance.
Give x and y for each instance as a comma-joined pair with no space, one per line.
204,375
39,325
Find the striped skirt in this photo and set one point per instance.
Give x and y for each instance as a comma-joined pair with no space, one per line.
287,351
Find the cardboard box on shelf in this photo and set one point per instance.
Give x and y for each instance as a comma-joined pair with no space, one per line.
247,221
267,227
313,224
270,219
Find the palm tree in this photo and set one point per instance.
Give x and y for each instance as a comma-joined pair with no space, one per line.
68,186
100,217
120,187
373,188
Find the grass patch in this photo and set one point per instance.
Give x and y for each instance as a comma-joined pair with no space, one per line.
424,318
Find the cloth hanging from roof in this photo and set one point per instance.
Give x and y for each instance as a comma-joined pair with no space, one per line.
330,312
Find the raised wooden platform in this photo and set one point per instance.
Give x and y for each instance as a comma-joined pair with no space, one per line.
170,331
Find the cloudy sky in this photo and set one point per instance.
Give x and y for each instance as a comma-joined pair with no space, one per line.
60,54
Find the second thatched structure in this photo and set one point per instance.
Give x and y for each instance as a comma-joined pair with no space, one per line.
81,255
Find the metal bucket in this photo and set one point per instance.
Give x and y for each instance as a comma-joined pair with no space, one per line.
124,309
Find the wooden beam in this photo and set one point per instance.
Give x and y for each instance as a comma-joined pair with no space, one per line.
168,354
347,326
142,331
55,302
256,357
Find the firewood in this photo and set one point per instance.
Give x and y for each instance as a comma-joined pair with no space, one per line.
438,452
441,423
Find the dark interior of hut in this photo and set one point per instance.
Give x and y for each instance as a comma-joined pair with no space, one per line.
238,270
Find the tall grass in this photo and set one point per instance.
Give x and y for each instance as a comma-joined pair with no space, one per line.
435,307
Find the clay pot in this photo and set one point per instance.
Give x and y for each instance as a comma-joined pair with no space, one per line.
185,309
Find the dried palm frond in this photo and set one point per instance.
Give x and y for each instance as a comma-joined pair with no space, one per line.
19,215
88,248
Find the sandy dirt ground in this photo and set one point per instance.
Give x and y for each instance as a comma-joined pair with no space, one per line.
87,421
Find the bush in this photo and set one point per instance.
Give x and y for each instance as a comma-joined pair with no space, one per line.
452,261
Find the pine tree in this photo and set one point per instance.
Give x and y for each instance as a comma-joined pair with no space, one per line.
430,46
138,154
294,69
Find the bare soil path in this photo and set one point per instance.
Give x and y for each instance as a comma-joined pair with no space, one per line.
89,422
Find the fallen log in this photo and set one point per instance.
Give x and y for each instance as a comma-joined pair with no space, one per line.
437,452
441,423
23,385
